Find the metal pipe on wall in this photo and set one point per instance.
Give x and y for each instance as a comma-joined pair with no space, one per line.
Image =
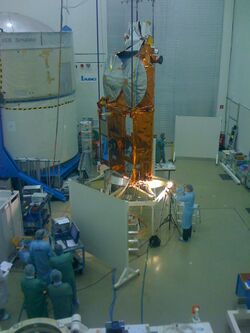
98,50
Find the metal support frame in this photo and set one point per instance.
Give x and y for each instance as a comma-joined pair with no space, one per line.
234,317
230,173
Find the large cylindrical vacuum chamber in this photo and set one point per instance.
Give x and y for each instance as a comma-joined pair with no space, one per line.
38,102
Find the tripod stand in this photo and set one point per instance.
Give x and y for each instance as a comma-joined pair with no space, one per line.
170,218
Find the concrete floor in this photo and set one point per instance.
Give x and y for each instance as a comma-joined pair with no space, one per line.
179,275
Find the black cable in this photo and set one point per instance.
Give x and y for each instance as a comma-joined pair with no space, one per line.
153,19
59,84
167,241
143,285
132,51
112,305
94,283
137,11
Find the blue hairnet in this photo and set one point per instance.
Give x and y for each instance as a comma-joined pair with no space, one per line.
39,234
189,187
29,270
55,276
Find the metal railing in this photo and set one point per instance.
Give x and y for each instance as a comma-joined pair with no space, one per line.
45,170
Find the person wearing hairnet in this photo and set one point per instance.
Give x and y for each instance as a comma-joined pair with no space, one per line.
64,263
40,252
34,291
4,315
187,196
160,149
61,296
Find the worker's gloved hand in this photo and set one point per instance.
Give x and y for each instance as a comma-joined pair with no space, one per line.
180,189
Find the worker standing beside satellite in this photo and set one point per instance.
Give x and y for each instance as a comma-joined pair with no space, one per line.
160,149
187,196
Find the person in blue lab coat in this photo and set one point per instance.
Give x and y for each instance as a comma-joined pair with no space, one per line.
187,196
40,252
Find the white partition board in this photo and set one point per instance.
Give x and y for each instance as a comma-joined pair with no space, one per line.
103,224
197,136
243,140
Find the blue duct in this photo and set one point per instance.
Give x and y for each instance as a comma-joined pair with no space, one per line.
9,168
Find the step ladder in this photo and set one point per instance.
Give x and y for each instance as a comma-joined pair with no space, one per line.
179,206
133,232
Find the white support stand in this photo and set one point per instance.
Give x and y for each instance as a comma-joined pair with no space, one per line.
142,204
174,156
236,317
217,159
230,173
127,275
153,156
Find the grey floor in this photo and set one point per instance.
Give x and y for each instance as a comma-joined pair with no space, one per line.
179,275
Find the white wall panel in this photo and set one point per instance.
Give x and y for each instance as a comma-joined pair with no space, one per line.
239,79
225,60
188,34
197,136
103,224
240,69
243,140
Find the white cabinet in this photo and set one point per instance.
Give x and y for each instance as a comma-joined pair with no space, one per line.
11,223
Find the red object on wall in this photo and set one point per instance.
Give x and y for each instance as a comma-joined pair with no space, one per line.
222,141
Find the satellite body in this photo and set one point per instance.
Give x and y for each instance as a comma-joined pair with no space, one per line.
126,113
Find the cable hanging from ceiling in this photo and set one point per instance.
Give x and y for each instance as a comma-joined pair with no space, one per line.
59,82
137,10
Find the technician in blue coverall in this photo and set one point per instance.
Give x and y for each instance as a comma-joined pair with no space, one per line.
188,198
40,252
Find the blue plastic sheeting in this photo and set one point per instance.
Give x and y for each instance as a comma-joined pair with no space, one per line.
9,169
32,181
64,169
